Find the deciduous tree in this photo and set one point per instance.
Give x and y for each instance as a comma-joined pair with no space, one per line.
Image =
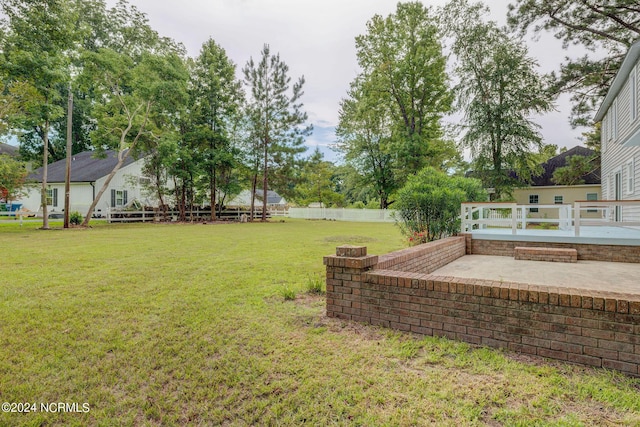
317,183
390,122
38,34
605,28
498,92
13,174
135,96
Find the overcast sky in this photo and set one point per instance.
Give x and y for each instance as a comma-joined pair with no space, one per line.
317,39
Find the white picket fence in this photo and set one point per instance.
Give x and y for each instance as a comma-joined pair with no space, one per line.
344,214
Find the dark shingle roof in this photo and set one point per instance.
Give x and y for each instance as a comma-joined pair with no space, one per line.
273,198
8,149
561,160
85,167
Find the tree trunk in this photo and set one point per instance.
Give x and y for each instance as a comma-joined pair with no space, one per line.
122,156
265,182
160,195
183,203
45,165
212,189
254,184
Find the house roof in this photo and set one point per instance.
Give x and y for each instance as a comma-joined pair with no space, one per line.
559,161
85,167
8,149
273,198
619,81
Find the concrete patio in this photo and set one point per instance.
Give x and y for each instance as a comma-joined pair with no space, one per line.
592,275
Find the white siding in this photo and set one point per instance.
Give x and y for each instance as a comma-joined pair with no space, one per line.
82,193
615,157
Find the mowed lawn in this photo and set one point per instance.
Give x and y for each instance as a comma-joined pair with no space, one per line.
169,324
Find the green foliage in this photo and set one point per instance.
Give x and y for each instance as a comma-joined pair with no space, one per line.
121,28
288,293
138,98
75,218
499,92
316,182
13,174
428,206
316,285
578,167
605,28
215,99
390,122
275,116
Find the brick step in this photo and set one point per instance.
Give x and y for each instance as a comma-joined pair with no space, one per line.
545,254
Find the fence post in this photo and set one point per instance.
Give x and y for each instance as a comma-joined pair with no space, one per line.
514,219
576,211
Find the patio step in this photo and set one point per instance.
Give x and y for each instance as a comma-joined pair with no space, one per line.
545,254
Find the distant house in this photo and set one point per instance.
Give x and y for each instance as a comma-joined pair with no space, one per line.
543,191
274,200
620,143
88,174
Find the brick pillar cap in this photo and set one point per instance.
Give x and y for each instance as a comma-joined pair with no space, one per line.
351,251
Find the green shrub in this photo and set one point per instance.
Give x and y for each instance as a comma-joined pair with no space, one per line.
75,218
428,206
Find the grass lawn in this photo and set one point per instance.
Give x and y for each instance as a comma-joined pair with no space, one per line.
189,325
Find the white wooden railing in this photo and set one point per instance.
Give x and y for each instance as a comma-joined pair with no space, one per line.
511,215
612,213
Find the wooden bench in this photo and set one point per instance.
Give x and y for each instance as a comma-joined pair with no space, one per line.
545,254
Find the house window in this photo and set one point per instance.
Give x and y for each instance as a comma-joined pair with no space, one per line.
52,197
118,198
533,200
558,200
630,177
592,197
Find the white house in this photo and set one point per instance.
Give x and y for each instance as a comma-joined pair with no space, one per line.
620,143
88,174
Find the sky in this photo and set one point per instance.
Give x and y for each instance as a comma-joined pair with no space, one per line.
317,39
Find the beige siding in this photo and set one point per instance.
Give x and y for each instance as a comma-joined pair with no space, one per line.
546,196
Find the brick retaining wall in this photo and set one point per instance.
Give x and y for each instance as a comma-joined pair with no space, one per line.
587,252
424,258
599,329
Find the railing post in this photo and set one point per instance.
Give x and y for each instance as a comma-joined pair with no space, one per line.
523,218
514,219
576,222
